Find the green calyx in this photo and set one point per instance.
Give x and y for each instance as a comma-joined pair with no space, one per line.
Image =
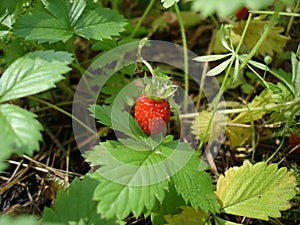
159,86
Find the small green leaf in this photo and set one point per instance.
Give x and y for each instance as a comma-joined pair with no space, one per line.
256,191
20,131
236,70
209,58
295,73
33,73
188,216
219,69
67,211
169,3
223,38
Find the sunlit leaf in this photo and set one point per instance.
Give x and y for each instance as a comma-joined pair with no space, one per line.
295,73
20,131
33,73
169,3
209,58
257,191
219,68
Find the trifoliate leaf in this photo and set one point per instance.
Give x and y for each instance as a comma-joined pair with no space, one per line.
20,131
134,180
226,8
274,41
33,73
169,3
76,205
59,20
256,191
188,216
24,220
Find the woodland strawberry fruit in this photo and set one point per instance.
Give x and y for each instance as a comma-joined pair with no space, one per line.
242,13
152,109
152,115
294,141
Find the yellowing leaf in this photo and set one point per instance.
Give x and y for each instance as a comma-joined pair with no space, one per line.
188,216
257,191
238,135
200,123
274,42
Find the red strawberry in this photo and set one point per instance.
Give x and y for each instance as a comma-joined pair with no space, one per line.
293,141
242,13
151,114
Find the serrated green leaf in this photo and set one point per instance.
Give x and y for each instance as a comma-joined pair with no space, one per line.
59,20
144,176
195,185
20,131
24,220
169,3
219,68
209,58
188,216
100,24
33,73
257,191
226,8
67,211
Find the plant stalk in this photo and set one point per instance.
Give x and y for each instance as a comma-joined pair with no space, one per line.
185,56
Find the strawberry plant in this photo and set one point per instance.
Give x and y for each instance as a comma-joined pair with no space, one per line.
92,134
